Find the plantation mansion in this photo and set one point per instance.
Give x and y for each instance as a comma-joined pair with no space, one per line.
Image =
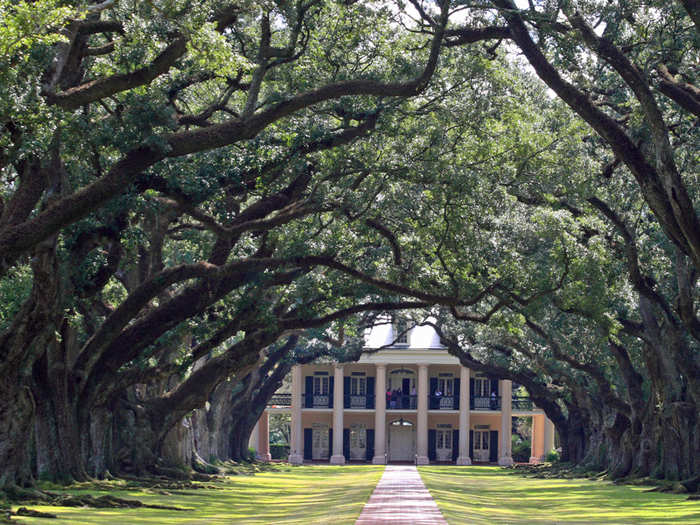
411,401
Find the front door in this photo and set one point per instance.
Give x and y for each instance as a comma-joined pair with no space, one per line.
481,445
402,443
358,442
443,445
320,445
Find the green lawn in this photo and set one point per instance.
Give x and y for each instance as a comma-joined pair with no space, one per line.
308,494
493,495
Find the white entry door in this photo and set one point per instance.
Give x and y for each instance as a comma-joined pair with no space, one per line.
443,445
358,442
481,445
402,443
320,445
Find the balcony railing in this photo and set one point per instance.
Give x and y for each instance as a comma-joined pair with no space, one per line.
358,402
280,400
402,402
317,401
485,403
522,403
443,403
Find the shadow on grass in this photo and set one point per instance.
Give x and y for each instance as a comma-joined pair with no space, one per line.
493,495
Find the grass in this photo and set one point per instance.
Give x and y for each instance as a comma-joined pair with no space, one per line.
301,495
494,495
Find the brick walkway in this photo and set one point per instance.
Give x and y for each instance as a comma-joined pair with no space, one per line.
401,497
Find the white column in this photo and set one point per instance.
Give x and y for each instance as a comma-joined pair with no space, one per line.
463,458
422,437
380,416
338,404
296,452
263,425
537,454
506,458
548,436
253,441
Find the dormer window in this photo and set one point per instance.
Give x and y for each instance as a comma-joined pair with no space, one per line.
401,331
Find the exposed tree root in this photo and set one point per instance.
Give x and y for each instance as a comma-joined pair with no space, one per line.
100,502
692,484
24,511
165,483
107,501
568,471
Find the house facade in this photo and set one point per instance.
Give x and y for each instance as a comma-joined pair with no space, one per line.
410,401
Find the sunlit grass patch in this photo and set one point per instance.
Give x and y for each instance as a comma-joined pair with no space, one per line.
295,495
492,495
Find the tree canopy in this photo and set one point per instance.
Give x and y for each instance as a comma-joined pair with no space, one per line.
196,197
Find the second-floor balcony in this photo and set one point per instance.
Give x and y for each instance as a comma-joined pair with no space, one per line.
311,400
401,402
485,403
443,402
352,401
522,403
280,400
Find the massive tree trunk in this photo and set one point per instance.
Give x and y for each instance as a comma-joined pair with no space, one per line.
247,415
212,425
20,346
60,456
61,439
100,450
572,435
16,418
674,418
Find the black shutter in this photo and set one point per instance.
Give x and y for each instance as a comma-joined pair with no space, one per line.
455,445
330,443
370,444
434,403
370,395
493,446
346,443
308,443
432,438
309,394
346,391
455,393
471,444
331,387
494,386
471,393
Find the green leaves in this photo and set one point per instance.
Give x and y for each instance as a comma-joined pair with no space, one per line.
26,25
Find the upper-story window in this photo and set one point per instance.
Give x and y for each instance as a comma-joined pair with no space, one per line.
482,387
401,331
445,384
320,384
358,384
